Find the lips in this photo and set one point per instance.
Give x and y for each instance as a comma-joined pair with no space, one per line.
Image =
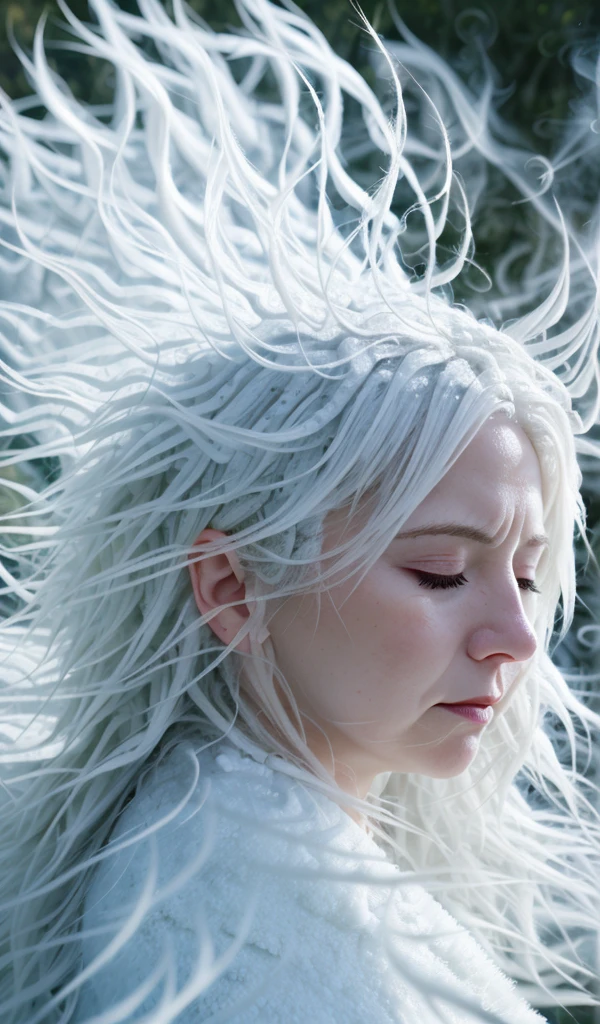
479,702
479,713
476,709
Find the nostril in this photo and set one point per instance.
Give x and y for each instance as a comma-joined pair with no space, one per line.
506,645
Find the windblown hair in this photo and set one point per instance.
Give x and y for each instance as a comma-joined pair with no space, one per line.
208,320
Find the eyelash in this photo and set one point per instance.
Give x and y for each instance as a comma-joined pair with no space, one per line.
435,582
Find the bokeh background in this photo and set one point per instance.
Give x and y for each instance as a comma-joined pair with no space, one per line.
530,45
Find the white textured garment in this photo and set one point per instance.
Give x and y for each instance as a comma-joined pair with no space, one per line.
315,924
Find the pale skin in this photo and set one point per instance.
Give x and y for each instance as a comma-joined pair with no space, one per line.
370,668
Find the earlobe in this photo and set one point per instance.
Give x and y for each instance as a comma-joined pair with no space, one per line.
218,580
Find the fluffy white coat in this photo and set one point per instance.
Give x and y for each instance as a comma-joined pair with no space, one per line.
312,921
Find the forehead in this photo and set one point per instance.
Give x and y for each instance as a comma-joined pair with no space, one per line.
496,478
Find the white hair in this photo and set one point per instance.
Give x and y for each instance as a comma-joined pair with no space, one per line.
207,320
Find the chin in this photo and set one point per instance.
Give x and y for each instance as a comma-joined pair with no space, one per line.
447,764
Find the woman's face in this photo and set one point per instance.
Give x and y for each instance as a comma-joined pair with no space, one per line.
444,616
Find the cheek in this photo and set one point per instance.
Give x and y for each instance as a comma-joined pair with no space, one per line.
384,644
392,632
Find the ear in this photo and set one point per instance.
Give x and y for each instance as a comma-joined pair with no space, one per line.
217,580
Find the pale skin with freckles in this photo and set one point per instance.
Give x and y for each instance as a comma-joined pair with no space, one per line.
371,665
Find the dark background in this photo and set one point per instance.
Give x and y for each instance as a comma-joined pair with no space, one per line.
527,41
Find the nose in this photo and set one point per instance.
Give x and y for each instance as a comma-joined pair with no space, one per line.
503,631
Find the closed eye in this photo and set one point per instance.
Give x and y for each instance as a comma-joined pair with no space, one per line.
434,581
525,584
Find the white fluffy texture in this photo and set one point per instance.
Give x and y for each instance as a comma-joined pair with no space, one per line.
315,949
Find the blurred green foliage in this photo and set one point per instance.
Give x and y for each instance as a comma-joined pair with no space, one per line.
527,41
576,1015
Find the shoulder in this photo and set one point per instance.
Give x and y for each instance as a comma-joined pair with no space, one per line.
201,824
231,888
220,860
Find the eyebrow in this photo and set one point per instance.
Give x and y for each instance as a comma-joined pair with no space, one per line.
537,540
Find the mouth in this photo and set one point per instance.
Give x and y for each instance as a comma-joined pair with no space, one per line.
480,702
474,712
